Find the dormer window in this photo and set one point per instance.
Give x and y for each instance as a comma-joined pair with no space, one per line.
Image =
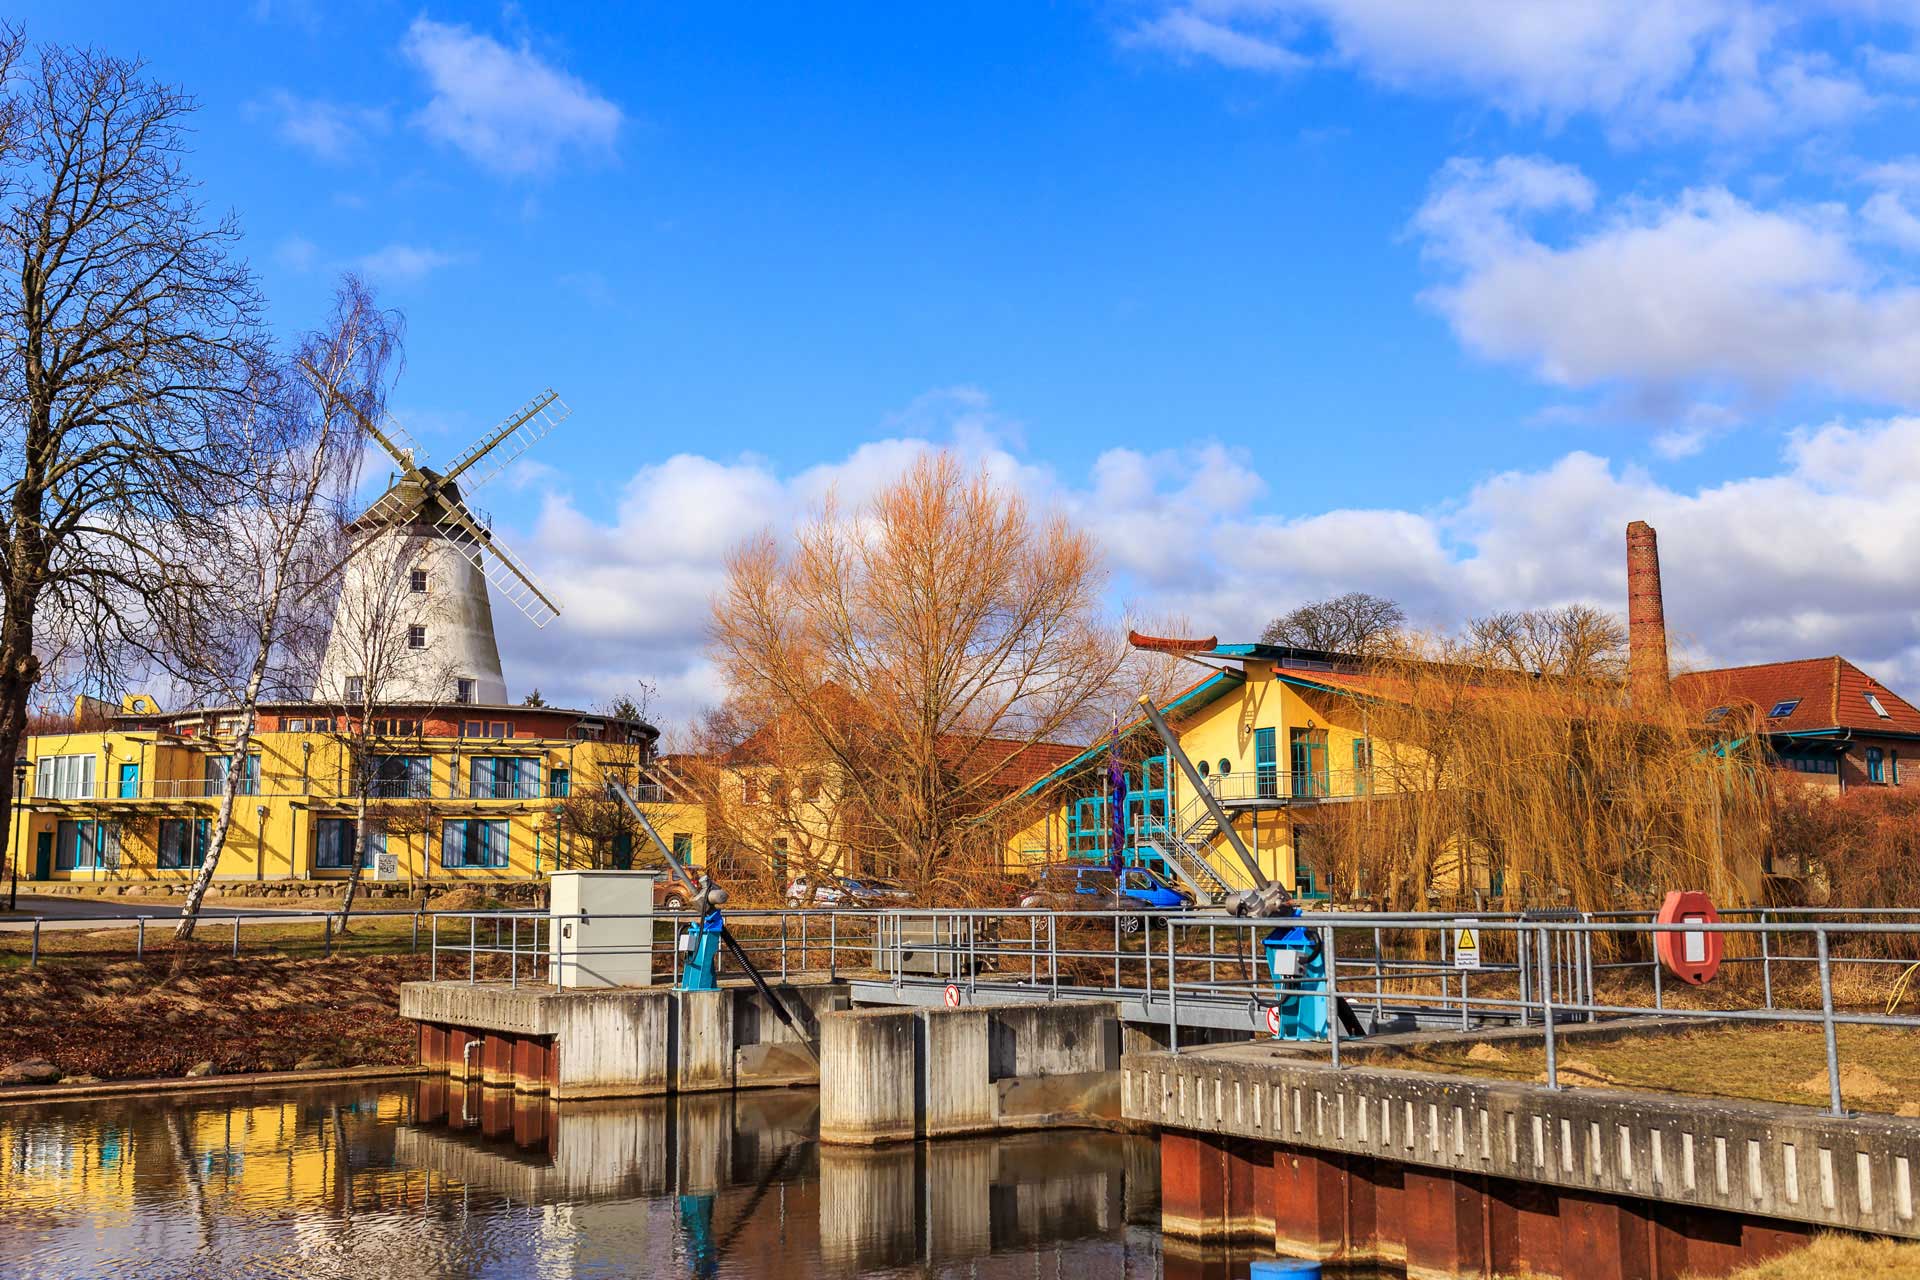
1879,707
1783,708
1717,713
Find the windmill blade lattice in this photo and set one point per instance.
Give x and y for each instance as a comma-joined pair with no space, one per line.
513,437
500,566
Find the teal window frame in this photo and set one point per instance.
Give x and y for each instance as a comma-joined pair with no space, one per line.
1362,765
503,777
178,839
1307,755
559,783
1876,765
216,775
1266,763
485,843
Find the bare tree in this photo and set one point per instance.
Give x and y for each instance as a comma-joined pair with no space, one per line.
248,613
132,349
1358,623
1574,641
589,820
923,643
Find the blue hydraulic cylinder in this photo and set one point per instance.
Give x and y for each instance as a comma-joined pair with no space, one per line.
700,943
1298,968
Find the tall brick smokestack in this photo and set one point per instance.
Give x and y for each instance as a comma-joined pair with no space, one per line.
1646,615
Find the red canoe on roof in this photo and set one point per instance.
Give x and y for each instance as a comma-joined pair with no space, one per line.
1170,644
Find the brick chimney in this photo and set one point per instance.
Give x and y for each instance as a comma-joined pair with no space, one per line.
1646,615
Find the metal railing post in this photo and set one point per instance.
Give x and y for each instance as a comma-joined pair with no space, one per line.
236,937
783,944
33,961
1333,993
833,944
1173,994
414,945
1524,972
140,938
973,960
433,950
1546,1011
803,940
1766,959
1053,956
1379,977
1033,951
473,944
1826,1023
1116,952
1659,997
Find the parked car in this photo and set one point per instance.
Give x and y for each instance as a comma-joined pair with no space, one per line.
669,894
847,891
1094,887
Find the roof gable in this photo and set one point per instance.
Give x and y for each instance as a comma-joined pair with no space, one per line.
1826,693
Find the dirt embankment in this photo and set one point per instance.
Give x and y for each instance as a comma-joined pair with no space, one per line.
163,1015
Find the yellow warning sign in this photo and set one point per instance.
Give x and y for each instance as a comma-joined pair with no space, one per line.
1466,947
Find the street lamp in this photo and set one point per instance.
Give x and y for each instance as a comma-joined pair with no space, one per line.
20,768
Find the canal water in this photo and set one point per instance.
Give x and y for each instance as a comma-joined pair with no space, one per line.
398,1181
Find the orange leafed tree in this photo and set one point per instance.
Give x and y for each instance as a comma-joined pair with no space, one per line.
920,645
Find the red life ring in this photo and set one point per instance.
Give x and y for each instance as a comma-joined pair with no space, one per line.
1693,956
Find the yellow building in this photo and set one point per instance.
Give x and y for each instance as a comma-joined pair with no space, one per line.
1275,733
461,792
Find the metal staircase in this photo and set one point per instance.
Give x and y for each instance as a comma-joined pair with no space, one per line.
1182,846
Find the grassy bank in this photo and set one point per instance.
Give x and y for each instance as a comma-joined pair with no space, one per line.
1879,1070
1831,1256
180,1006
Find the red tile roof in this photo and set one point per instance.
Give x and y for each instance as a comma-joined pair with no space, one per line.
1831,692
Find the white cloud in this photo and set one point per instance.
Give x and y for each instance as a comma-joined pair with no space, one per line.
329,130
507,109
1195,532
402,263
1654,67
297,254
1667,296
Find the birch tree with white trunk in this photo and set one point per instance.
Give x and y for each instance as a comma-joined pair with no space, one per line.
245,626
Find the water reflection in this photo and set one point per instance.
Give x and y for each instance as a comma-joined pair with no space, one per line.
422,1180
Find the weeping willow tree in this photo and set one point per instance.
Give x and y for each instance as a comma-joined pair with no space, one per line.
1517,786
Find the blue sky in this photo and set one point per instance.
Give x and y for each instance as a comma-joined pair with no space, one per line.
1280,297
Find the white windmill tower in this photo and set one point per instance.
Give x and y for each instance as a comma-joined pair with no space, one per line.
420,548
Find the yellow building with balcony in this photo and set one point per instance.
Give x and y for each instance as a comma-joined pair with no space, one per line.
1276,734
455,793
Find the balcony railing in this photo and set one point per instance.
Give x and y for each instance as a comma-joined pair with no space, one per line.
1291,786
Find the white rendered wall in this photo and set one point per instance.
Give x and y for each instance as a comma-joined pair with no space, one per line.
376,600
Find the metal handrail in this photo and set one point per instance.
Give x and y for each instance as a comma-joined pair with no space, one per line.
1538,973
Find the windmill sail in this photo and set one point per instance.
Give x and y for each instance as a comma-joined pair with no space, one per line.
519,433
502,568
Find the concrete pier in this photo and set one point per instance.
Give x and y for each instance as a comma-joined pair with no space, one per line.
615,1042
893,1075
1449,1176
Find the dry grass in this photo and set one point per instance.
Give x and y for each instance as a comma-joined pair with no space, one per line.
1831,1256
1879,1068
135,1019
1555,790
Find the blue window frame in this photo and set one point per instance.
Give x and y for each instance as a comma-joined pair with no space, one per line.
217,767
1876,765
183,842
76,846
1308,749
402,777
504,777
474,842
559,783
333,844
1266,764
